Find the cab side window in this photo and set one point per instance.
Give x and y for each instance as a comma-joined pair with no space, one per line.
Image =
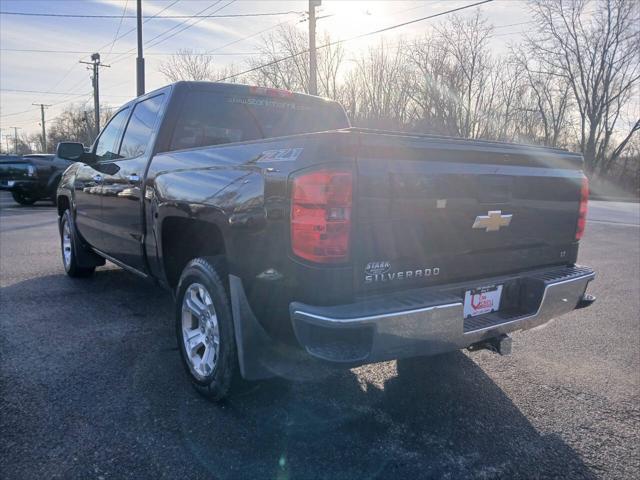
107,145
140,127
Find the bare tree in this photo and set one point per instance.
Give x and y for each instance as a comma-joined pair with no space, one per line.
597,53
467,45
545,101
75,125
572,83
378,88
290,74
293,73
435,86
187,65
509,104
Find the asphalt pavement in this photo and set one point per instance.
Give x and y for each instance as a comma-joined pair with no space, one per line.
91,385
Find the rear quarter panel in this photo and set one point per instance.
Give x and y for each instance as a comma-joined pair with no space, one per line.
243,190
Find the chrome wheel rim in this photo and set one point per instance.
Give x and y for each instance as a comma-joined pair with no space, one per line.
66,244
200,331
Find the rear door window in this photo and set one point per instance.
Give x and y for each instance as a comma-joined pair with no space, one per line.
140,127
107,146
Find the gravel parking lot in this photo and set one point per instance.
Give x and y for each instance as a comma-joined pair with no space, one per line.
92,387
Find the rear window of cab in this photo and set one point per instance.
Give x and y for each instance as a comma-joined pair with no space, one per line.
210,118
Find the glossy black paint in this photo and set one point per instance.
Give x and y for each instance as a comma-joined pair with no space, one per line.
418,198
398,181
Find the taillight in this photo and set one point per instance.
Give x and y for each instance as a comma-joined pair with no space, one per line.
582,211
321,215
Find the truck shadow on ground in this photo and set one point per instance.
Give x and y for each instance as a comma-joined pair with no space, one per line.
131,408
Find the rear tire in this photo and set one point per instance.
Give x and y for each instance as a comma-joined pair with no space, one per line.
204,329
68,239
23,198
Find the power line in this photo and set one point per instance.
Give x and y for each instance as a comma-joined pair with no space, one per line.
68,72
158,17
236,41
34,50
189,26
115,37
148,42
208,52
135,28
356,37
15,90
15,113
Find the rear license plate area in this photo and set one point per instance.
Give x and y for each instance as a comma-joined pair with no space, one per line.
482,300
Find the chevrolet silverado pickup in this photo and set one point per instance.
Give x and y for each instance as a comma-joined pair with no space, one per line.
286,235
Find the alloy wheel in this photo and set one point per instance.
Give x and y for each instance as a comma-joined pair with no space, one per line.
200,330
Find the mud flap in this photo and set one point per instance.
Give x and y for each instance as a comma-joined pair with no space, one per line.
259,355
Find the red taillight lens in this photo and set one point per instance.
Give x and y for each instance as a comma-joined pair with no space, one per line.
321,215
582,212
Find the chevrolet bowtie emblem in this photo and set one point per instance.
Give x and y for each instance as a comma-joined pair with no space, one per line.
492,221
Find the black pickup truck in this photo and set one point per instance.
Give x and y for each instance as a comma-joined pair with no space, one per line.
288,237
31,177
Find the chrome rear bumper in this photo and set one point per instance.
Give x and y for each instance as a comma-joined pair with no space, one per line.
430,321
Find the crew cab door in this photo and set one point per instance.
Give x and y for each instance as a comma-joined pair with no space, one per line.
123,186
89,179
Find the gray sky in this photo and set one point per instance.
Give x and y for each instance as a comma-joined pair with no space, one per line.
54,76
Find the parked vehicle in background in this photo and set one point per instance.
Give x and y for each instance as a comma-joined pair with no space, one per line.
31,177
287,235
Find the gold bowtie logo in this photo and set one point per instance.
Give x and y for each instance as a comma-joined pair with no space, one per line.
492,221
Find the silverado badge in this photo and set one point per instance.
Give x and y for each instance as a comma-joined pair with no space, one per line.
492,221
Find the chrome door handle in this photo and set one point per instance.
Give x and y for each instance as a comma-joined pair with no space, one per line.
134,178
97,178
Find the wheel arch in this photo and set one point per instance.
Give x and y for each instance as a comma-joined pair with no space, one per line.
184,238
63,203
52,184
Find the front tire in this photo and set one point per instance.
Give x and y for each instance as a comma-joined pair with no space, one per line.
204,329
23,198
68,238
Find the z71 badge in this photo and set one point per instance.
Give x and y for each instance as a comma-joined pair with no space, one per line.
379,272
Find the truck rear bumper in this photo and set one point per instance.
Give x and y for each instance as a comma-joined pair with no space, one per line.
431,321
18,185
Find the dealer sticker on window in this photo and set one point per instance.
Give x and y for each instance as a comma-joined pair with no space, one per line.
479,301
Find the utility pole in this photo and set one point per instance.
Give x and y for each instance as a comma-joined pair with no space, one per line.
140,59
15,138
44,130
86,126
6,139
95,65
313,62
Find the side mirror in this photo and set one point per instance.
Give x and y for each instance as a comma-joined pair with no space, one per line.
70,151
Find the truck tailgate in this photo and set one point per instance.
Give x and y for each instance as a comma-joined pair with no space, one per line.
432,210
14,169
